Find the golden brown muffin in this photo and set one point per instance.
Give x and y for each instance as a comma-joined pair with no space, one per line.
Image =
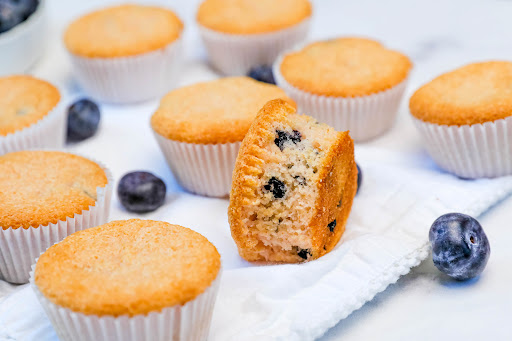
43,187
24,100
127,267
345,67
121,31
475,93
252,16
293,186
219,111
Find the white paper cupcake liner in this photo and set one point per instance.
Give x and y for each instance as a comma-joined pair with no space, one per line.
20,247
48,132
130,79
366,117
470,151
204,169
236,54
190,322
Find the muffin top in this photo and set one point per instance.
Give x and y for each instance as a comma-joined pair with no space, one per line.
127,267
219,111
24,100
252,16
345,67
43,187
475,93
120,31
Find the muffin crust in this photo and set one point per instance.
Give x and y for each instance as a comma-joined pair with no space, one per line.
345,67
127,267
252,16
219,111
475,93
122,31
24,100
43,187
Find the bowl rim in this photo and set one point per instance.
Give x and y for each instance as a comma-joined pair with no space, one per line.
18,30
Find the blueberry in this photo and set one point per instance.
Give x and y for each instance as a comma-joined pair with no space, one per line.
262,73
332,225
276,186
304,253
83,120
284,136
460,247
13,12
141,192
359,178
9,16
24,7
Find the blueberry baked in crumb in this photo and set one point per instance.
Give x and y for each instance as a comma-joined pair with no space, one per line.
293,187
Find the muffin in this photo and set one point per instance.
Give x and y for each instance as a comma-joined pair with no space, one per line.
464,116
241,34
129,278
30,114
293,186
199,129
126,53
45,196
351,84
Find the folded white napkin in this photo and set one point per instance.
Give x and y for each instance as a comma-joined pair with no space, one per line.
386,235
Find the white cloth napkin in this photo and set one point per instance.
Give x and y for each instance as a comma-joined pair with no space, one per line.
386,235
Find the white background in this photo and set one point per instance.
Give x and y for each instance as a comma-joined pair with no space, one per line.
438,36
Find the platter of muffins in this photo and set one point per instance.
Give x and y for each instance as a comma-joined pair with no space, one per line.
148,194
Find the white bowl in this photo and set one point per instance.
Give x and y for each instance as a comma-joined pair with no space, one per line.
22,45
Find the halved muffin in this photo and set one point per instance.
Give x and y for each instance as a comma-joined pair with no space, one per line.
293,187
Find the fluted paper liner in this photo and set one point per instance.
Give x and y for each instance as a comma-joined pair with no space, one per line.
366,117
236,54
470,151
20,247
189,322
133,78
48,132
204,169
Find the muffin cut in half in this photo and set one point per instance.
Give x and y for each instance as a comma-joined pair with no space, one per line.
293,187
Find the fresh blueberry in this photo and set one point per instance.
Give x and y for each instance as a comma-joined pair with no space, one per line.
262,73
460,247
141,192
276,186
284,136
9,16
83,120
13,12
304,253
26,7
332,225
359,178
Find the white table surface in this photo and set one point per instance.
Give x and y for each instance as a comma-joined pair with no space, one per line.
438,36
